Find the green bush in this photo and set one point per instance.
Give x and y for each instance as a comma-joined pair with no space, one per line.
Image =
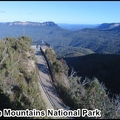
91,95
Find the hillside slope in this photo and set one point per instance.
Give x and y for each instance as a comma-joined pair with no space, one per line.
70,51
96,40
81,94
19,88
105,67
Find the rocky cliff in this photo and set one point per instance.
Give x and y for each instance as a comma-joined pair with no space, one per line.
28,23
108,26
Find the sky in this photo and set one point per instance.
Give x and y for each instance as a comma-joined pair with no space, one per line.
71,12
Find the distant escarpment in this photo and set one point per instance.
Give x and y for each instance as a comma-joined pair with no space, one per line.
36,30
28,23
108,26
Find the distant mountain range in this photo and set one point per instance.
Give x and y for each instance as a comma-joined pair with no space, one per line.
103,26
104,38
74,27
28,23
87,44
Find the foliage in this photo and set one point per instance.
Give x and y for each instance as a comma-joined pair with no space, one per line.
84,93
57,65
51,55
91,95
18,83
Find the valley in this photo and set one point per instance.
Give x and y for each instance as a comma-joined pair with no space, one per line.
105,67
75,27
93,53
98,41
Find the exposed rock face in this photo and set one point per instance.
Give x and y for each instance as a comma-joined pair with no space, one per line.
29,23
108,26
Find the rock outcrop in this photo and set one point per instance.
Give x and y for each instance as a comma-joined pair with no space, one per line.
28,23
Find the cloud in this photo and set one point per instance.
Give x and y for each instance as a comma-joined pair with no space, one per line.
3,11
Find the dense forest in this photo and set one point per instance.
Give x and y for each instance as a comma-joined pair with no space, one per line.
69,51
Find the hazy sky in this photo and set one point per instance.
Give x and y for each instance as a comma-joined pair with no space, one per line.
77,12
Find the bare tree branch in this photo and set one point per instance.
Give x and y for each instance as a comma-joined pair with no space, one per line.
6,55
73,72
